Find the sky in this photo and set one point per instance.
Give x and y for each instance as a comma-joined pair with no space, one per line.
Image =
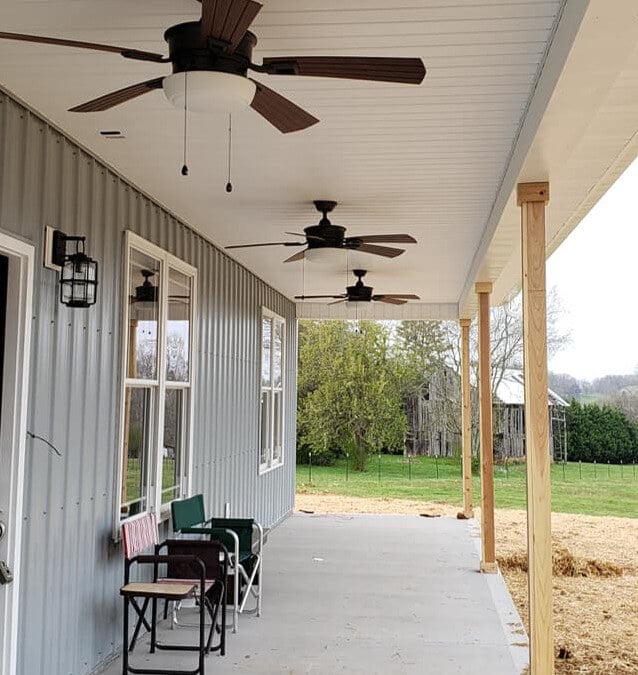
595,273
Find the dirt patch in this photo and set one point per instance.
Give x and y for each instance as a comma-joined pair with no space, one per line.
595,583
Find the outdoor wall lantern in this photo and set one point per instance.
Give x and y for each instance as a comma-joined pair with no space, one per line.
78,272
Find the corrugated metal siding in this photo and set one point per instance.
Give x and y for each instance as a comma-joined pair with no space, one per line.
70,611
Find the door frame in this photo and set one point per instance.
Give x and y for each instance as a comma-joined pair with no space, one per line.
14,410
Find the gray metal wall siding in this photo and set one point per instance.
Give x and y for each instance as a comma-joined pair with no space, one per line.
71,571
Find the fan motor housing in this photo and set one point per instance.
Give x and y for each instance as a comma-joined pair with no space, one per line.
188,51
328,236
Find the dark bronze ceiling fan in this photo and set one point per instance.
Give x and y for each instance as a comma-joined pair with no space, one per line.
213,56
326,235
362,293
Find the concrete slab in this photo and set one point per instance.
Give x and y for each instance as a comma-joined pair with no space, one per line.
365,594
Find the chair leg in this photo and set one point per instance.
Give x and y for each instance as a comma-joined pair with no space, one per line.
223,636
236,582
125,638
153,624
202,632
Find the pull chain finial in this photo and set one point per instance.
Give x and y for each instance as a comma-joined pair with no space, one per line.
229,185
185,166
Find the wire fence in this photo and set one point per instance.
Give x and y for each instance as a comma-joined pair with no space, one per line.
410,468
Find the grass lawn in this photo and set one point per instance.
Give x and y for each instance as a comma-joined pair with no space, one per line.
588,489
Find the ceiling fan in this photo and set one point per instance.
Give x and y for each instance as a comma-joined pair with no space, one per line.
211,58
362,293
326,235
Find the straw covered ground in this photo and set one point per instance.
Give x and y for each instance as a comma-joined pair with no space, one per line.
595,565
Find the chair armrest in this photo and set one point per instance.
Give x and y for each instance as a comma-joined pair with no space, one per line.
196,563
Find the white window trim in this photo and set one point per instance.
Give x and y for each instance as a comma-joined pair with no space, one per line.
154,500
268,466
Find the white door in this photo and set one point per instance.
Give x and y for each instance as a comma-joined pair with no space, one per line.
16,283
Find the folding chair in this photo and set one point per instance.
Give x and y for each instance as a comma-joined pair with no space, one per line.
243,537
141,535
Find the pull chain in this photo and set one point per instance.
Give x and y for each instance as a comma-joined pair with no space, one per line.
229,185
185,166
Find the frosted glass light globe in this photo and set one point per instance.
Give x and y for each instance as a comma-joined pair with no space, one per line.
209,92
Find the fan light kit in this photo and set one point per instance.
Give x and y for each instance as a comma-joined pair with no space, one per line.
209,92
325,236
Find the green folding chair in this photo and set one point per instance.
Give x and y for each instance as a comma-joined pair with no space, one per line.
244,539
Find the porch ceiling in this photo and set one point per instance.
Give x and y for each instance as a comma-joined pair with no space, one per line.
426,160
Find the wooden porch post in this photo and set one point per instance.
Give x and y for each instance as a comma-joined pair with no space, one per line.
488,548
532,198
466,418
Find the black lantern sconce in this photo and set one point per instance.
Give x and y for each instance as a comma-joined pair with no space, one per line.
78,272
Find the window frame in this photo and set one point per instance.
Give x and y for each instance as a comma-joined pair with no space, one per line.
269,465
159,386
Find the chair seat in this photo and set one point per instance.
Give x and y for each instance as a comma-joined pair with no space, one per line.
196,583
171,591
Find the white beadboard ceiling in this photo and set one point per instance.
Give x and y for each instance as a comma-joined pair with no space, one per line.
428,160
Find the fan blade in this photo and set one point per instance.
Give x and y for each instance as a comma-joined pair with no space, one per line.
396,296
384,238
320,297
406,70
123,51
270,243
391,301
279,111
384,251
338,302
228,20
120,96
297,256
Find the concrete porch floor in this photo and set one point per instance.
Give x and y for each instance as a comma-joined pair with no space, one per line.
365,594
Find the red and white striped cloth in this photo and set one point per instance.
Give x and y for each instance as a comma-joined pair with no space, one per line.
139,535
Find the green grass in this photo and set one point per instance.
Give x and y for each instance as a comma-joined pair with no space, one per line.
586,489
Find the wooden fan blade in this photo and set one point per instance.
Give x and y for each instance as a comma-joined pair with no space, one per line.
384,251
120,96
405,70
320,297
228,20
279,111
385,238
338,302
297,256
270,243
397,296
390,301
123,51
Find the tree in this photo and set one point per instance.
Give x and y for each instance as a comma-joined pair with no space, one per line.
349,397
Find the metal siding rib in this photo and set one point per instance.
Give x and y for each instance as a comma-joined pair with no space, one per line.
70,614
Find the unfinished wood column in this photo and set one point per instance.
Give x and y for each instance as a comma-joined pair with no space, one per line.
488,547
532,198
466,418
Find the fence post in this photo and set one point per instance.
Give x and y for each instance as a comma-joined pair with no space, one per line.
410,466
347,465
379,467
507,469
436,462
594,468
563,469
310,467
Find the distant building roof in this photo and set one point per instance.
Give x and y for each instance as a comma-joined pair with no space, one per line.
511,391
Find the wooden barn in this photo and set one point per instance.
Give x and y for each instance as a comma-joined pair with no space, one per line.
434,419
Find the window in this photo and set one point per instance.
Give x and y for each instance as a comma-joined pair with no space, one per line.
272,391
158,364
